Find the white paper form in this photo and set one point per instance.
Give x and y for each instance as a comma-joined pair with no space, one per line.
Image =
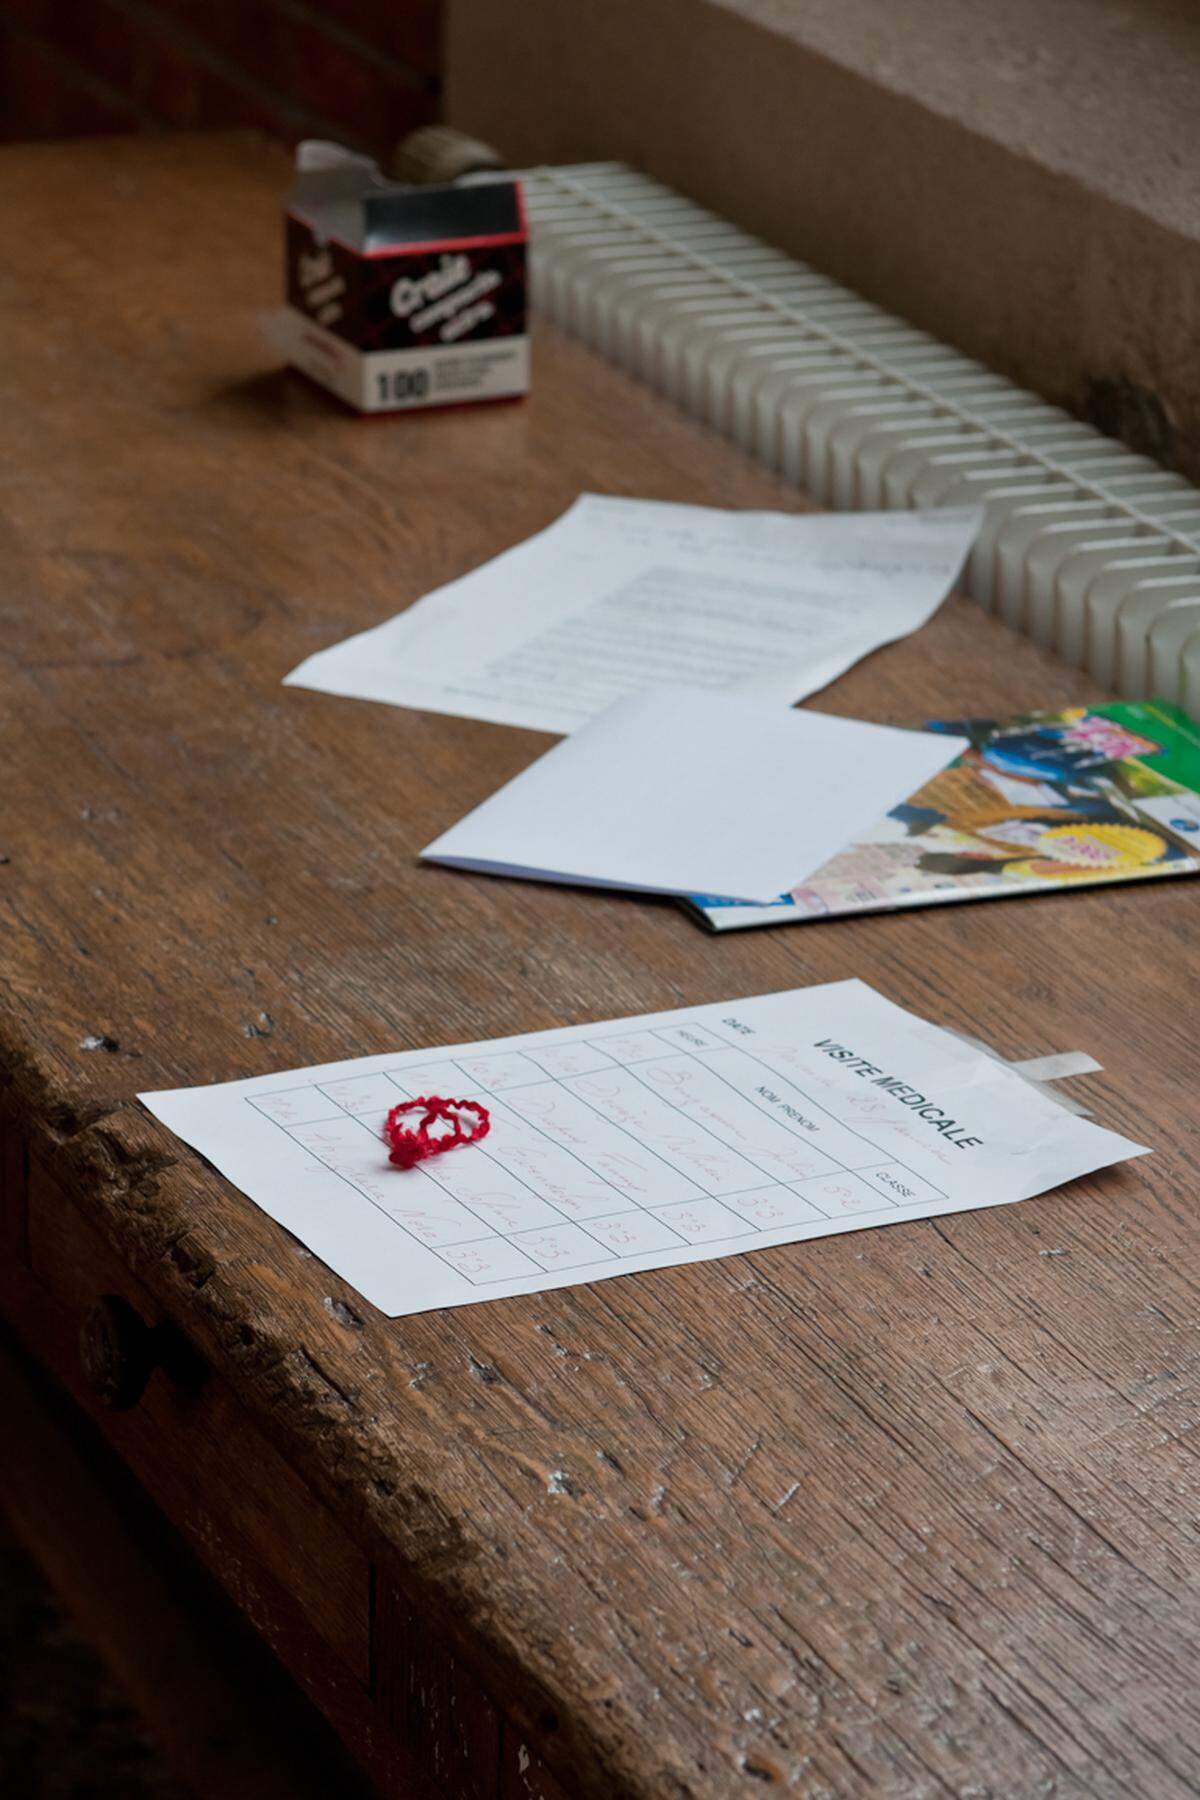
676,791
619,595
638,1144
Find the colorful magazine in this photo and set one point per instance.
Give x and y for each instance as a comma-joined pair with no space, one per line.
1044,801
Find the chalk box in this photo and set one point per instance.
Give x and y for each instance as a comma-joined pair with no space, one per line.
404,297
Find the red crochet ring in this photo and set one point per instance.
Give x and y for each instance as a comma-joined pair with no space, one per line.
412,1144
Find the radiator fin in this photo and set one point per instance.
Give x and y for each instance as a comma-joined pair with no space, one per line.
1092,550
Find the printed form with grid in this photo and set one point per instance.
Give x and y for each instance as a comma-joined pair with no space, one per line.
638,1144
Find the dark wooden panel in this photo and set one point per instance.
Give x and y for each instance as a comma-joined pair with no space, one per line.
366,71
523,1774
230,1493
216,1702
431,1701
13,1189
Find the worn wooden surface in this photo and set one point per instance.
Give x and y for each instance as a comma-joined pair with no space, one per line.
909,1512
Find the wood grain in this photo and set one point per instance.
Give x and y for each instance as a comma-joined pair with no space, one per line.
909,1512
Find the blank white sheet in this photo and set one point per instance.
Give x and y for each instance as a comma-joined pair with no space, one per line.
619,595
637,1144
676,791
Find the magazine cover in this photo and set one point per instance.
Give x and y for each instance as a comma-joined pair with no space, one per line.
1047,800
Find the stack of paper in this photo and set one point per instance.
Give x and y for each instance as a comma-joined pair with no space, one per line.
677,792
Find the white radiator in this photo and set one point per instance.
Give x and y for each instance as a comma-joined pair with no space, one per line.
1091,549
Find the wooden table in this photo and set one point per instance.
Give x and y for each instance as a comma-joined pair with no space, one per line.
909,1512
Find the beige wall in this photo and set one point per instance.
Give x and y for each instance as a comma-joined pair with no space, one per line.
1018,178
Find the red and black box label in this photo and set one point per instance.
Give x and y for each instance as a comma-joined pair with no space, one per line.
459,301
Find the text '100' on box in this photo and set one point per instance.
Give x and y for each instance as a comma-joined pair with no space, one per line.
404,297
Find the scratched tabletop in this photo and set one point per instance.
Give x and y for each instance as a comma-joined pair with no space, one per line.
911,1511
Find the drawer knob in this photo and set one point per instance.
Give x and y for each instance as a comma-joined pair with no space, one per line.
118,1352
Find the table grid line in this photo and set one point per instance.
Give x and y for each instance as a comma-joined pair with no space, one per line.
832,1117
619,1195
581,1224
774,1179
352,1185
624,1202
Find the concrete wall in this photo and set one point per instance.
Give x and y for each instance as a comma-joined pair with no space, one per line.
1019,179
